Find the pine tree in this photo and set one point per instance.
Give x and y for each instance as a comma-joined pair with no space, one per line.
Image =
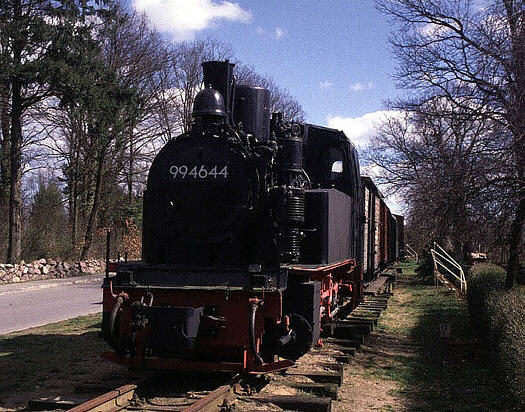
36,40
47,220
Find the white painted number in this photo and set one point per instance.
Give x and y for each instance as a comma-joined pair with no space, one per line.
197,172
193,172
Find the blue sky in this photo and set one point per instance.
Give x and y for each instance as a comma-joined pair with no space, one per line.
333,55
337,43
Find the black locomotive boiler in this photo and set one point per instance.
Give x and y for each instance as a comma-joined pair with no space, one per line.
252,238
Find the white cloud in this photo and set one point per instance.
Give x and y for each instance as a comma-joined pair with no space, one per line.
259,30
326,84
433,31
183,18
357,87
360,129
279,33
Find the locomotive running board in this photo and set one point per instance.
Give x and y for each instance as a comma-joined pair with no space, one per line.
185,364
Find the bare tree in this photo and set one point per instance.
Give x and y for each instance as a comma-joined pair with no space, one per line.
139,55
131,54
65,128
442,163
184,77
473,55
280,99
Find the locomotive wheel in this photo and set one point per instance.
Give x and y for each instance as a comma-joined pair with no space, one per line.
302,338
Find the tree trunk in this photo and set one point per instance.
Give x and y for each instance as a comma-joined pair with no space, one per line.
518,127
96,203
14,249
513,265
5,144
74,201
131,167
5,170
4,148
516,231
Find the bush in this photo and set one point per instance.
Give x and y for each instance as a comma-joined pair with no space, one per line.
498,315
506,315
482,281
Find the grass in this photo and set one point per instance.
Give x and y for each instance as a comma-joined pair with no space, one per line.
73,326
40,360
432,372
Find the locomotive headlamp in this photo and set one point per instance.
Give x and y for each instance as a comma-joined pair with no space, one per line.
209,102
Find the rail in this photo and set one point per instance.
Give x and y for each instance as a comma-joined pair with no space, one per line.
113,401
124,398
443,261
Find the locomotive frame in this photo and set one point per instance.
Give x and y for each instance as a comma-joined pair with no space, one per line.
245,259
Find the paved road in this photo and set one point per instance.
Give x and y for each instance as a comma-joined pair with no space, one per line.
30,304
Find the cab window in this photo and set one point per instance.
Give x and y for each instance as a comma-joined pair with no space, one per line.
333,165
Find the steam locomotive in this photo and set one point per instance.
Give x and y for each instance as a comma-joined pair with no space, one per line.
253,237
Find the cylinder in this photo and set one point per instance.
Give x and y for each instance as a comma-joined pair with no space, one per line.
290,154
252,108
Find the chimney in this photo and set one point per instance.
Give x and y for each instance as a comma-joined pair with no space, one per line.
219,75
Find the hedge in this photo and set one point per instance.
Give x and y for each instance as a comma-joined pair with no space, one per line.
482,281
498,314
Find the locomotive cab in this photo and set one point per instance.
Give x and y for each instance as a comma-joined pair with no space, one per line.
251,235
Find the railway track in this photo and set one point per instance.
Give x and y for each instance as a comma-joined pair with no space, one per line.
184,392
311,385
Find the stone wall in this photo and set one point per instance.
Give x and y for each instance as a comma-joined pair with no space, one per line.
49,269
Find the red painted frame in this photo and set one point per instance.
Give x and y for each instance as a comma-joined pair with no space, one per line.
230,346
341,277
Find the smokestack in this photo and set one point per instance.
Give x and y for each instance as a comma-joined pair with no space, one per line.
219,75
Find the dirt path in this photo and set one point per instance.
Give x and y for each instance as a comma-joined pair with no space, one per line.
406,366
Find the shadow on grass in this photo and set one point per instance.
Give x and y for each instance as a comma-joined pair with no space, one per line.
437,373
452,373
425,269
38,363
